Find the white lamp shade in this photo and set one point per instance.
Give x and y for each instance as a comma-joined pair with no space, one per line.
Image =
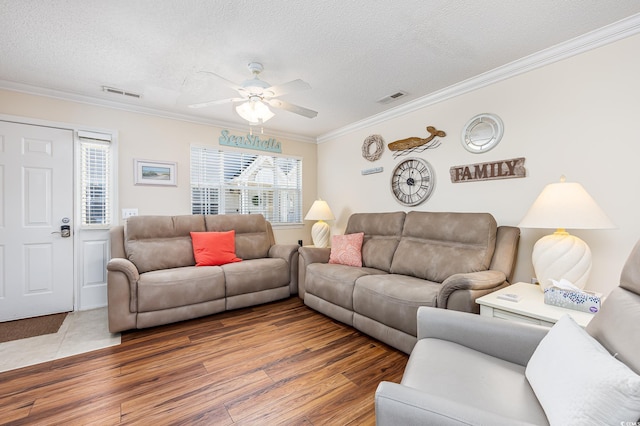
560,206
254,111
320,230
565,205
319,211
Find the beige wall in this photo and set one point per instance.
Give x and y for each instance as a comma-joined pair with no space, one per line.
578,117
143,136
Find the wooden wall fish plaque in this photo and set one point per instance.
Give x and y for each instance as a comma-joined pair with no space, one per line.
415,142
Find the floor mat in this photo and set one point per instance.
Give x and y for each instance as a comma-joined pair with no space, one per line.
30,327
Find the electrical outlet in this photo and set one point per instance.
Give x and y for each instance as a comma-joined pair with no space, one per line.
129,212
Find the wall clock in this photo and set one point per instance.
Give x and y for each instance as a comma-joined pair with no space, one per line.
412,181
482,133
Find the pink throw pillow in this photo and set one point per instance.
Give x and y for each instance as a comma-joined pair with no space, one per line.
347,249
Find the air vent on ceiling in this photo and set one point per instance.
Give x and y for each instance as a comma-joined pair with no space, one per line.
120,92
391,98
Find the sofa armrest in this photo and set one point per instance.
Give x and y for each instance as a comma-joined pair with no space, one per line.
288,252
125,266
506,252
512,341
482,280
401,405
122,294
307,256
284,251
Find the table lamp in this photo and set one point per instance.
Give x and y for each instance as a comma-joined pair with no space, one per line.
320,230
561,255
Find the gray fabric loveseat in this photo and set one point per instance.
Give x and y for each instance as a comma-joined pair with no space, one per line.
444,260
152,278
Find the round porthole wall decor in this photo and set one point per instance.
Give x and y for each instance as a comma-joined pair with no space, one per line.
482,133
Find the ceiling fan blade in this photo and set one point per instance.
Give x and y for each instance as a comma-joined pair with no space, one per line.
284,88
306,112
218,102
230,83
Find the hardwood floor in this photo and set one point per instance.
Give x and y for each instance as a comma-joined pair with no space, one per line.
280,363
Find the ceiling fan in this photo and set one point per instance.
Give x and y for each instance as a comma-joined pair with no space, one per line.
258,95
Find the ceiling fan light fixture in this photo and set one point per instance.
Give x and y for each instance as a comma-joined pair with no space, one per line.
254,111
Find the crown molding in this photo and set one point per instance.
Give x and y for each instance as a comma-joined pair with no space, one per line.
611,33
88,100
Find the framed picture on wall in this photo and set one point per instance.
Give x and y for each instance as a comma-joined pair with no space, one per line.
148,172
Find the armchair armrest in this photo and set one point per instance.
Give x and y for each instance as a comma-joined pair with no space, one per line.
482,280
307,256
288,252
401,405
511,341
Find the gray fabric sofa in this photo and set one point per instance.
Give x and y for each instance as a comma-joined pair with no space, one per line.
437,259
152,278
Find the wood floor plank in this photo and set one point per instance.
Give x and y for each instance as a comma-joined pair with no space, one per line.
278,363
193,396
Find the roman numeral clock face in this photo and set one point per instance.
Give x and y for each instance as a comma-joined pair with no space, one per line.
412,181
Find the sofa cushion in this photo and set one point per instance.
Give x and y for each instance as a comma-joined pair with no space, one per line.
177,287
435,246
254,275
161,242
393,299
334,283
214,248
253,236
347,249
382,232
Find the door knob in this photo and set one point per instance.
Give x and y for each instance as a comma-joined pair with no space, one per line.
65,231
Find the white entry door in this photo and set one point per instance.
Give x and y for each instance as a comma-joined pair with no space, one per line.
36,200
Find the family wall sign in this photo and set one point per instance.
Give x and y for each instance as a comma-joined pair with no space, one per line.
503,169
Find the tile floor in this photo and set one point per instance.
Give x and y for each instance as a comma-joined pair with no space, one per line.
80,332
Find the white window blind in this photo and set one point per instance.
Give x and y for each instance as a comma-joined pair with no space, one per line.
230,182
95,159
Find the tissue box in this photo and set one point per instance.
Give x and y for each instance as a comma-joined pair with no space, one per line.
584,301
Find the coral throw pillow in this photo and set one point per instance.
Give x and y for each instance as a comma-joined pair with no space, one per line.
214,248
347,249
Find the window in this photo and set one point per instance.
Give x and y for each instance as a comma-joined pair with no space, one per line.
95,159
230,182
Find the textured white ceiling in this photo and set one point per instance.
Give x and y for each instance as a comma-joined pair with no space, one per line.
352,52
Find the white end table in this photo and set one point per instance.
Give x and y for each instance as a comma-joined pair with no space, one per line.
530,309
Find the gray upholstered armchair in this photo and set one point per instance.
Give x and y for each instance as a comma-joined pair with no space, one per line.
468,369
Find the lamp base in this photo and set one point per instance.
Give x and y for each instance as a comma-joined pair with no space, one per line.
320,234
561,255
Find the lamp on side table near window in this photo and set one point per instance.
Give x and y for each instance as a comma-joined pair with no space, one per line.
561,255
320,231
